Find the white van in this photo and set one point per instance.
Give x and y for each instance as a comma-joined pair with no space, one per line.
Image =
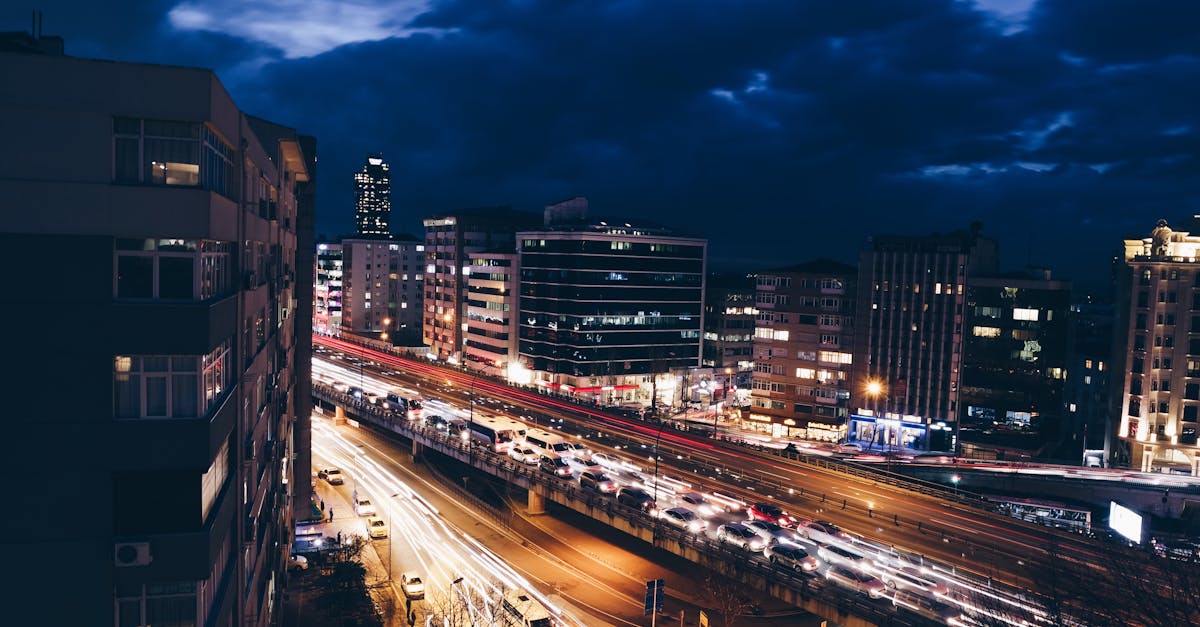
522,610
544,442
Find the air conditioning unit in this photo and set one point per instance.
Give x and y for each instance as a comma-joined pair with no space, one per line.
131,554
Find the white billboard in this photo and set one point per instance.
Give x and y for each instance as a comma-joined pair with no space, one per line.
1125,521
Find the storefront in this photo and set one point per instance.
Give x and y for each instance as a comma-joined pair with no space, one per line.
879,433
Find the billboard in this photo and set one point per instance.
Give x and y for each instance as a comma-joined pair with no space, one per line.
1125,521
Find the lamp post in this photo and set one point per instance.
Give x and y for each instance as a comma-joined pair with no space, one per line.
955,479
657,438
875,390
471,420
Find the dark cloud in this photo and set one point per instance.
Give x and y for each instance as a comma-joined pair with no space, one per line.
783,131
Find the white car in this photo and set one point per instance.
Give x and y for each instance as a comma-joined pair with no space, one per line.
524,454
363,506
413,587
332,475
611,462
911,578
685,519
822,532
376,527
850,447
856,580
698,503
741,536
771,532
298,562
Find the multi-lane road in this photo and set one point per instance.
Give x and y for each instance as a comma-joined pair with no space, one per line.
985,549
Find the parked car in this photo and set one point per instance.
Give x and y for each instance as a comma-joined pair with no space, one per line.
856,580
555,465
598,481
685,519
636,498
298,562
376,527
821,532
771,532
740,535
770,513
363,505
413,587
331,475
793,557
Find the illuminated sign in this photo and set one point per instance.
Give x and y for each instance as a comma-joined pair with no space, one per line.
1125,521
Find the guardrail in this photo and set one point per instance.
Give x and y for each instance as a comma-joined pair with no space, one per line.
808,592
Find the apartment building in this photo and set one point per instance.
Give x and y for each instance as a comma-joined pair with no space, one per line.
162,344
492,308
382,282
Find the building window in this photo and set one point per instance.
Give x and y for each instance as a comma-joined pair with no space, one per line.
1135,407
1025,314
173,604
169,386
986,331
1135,385
160,152
213,480
172,269
829,340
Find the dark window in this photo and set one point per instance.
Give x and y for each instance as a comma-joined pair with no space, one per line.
1163,407
1135,407
175,277
1194,347
1135,385
1139,365
1143,300
1191,391
135,277
1139,343
1140,323
1189,414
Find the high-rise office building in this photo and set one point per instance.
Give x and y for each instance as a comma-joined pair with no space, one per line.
492,308
607,307
803,350
909,328
1015,350
450,240
1159,341
160,385
373,198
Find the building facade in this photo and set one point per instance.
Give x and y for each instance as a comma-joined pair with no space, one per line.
492,308
607,308
803,351
382,283
729,317
373,198
1015,352
908,349
173,218
1159,308
1087,390
327,289
449,241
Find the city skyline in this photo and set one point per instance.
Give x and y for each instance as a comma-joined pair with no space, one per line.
1051,122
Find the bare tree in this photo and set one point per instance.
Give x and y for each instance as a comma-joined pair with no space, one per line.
466,605
729,597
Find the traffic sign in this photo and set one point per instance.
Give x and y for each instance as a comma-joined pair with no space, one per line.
654,595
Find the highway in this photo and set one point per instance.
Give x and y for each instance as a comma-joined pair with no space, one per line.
988,555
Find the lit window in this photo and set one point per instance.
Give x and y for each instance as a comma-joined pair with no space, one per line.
986,331
782,336
806,373
1025,314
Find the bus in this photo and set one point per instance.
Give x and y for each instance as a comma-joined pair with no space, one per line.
497,434
544,442
403,402
520,609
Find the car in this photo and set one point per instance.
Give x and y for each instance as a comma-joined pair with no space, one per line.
373,398
437,422
740,535
793,557
698,503
771,532
297,562
821,532
912,579
685,519
376,527
636,498
577,449
363,505
555,465
523,453
584,464
849,447
598,481
835,554
856,580
354,391
929,608
332,475
770,513
412,585
606,460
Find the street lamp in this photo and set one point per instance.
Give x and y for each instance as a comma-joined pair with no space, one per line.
657,438
471,426
875,390
955,479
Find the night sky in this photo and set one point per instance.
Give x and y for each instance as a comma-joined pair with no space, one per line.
780,130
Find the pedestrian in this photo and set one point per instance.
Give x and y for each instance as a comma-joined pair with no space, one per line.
322,504
330,514
339,538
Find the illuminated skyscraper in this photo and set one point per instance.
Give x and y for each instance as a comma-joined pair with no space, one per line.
373,197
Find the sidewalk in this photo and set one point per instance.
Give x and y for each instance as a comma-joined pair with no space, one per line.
338,518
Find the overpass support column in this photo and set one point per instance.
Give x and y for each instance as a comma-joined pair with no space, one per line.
537,503
418,448
339,415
